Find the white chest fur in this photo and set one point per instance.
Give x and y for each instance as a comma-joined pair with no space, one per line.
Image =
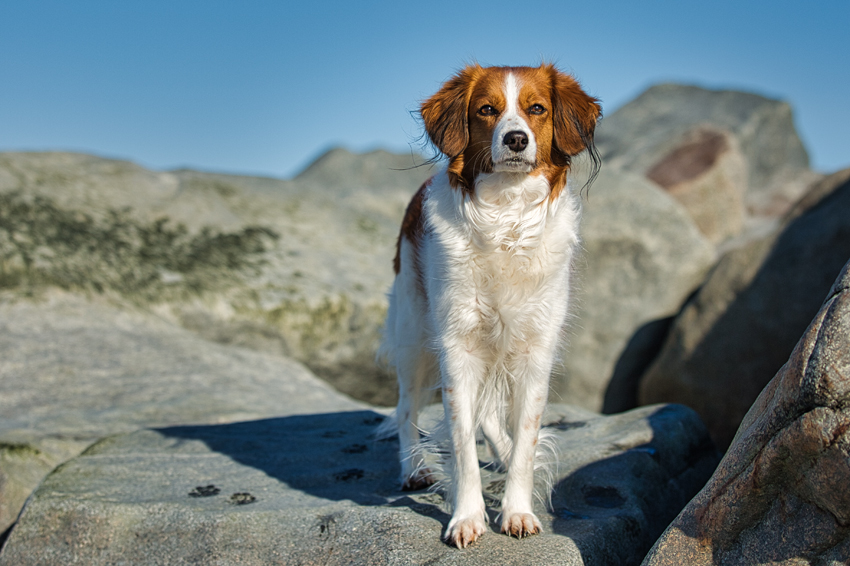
498,260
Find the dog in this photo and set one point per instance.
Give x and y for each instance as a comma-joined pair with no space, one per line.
482,279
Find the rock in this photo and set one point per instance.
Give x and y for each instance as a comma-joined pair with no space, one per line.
739,329
780,494
75,370
297,267
643,133
643,257
318,489
707,175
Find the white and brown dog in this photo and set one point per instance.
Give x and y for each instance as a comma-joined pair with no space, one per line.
482,279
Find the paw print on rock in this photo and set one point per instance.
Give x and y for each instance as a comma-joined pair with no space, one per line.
243,498
204,491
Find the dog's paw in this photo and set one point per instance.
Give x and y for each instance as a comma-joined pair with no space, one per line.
520,525
463,532
420,479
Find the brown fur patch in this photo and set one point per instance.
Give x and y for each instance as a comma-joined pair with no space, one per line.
412,227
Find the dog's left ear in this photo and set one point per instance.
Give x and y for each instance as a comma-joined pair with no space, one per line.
575,114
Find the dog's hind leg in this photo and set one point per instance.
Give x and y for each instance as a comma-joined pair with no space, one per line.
492,423
415,367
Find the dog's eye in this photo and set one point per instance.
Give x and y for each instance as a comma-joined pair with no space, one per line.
536,109
487,110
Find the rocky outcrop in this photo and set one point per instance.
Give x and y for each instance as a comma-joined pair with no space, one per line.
75,370
294,267
318,489
732,159
739,329
666,118
780,494
300,267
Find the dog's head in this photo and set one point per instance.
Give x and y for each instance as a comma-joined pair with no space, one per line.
530,120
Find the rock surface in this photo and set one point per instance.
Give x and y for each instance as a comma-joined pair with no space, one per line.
295,267
642,257
74,370
739,329
645,131
780,494
317,489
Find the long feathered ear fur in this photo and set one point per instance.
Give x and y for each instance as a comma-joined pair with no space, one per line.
445,113
575,114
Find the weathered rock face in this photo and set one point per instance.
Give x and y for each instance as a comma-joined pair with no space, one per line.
780,494
643,257
665,118
739,329
317,489
75,370
297,267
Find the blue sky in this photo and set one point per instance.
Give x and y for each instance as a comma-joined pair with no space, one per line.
265,87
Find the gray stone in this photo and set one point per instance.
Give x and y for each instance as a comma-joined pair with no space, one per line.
318,489
739,329
295,267
643,257
780,494
641,133
75,370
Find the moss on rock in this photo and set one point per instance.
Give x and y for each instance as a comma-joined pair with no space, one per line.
43,244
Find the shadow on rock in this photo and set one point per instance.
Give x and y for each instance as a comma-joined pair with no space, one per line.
621,479
332,456
628,498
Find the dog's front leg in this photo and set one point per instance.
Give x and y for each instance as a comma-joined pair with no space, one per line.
527,405
462,372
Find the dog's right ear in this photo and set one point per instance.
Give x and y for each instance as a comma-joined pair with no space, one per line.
445,113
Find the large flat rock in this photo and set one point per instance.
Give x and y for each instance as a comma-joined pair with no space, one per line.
318,489
74,370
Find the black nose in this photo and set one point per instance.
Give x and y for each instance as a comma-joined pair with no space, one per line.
516,140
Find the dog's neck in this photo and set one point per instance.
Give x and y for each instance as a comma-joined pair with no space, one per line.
507,211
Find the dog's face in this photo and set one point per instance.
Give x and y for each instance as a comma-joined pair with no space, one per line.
510,119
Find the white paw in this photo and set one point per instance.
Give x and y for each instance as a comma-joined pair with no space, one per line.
520,525
464,531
